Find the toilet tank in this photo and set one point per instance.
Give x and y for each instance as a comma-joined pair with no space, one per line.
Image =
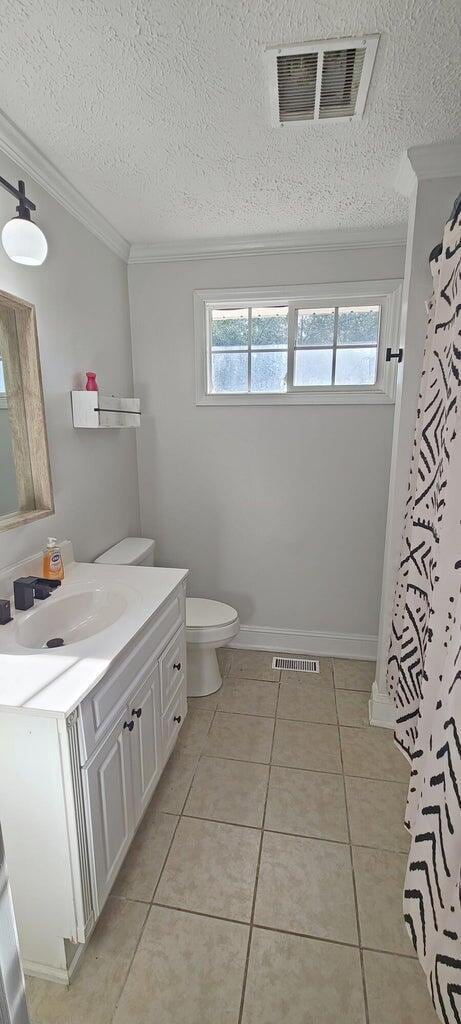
129,551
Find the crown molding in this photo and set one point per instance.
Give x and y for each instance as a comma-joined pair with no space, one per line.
33,162
266,245
439,160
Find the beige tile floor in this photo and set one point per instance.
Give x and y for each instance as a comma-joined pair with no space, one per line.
265,882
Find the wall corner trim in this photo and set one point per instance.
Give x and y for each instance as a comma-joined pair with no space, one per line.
439,160
294,641
33,162
267,245
381,708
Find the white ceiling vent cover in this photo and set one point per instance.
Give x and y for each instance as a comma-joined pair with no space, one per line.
326,80
296,664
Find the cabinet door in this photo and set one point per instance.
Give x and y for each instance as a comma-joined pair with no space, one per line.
173,719
173,668
107,781
144,711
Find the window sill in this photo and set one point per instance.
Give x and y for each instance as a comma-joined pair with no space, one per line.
301,398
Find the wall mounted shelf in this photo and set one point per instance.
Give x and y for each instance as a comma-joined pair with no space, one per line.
90,409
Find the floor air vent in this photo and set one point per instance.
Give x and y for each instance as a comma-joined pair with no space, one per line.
324,80
295,664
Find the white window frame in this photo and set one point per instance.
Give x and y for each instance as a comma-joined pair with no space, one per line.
386,294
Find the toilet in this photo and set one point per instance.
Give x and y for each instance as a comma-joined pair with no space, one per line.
209,624
129,551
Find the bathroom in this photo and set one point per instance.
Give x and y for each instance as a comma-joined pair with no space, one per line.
258,874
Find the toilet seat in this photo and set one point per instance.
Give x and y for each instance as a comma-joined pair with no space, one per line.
209,622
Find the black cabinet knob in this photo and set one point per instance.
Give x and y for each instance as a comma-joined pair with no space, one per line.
137,712
177,718
129,726
177,664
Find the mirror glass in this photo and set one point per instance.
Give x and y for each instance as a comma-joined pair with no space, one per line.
25,483
9,501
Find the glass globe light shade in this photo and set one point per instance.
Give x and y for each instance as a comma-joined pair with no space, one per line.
24,242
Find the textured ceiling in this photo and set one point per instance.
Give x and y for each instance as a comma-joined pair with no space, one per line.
157,110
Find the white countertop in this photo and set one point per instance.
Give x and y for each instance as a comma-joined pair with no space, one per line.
55,681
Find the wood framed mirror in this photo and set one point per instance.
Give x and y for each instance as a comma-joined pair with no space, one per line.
26,491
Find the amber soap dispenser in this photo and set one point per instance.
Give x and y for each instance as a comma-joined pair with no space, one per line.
53,568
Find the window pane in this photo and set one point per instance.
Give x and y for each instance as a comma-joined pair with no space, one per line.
355,366
2,379
229,327
359,326
315,326
313,368
229,372
269,371
269,326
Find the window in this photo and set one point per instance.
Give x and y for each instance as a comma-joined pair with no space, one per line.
336,346
299,345
248,349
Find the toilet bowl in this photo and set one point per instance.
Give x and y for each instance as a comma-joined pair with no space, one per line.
209,624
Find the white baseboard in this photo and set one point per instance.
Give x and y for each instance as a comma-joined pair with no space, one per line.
381,709
62,976
45,972
294,641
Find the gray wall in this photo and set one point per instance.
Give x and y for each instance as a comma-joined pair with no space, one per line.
81,298
280,511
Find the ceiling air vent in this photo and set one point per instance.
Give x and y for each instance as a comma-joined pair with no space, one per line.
319,81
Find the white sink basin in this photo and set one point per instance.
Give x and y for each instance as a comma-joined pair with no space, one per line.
72,617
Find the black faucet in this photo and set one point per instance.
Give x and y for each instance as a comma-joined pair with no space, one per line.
27,588
23,589
5,612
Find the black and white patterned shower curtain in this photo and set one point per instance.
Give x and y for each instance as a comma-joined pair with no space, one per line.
424,670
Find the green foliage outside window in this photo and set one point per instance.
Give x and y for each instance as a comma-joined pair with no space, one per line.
355,327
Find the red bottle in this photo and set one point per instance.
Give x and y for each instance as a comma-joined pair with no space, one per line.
91,382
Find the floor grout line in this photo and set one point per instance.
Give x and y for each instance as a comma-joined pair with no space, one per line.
298,768
149,906
290,835
354,885
266,928
201,913
251,679
153,896
253,907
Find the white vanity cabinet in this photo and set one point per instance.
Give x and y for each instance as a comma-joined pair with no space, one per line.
74,788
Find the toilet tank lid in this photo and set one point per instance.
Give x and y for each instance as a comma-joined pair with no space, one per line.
129,551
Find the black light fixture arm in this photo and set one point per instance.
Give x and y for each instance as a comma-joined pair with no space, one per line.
25,205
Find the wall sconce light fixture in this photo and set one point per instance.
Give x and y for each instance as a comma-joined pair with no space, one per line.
22,240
